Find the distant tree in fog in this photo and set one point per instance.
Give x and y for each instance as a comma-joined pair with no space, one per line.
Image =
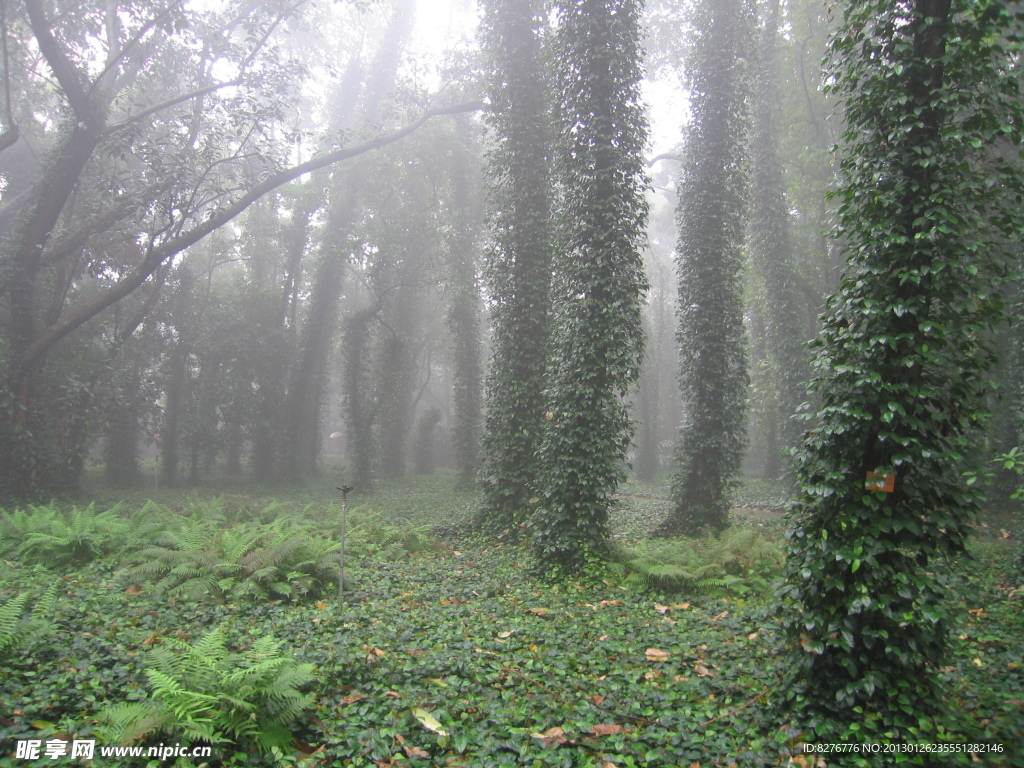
711,215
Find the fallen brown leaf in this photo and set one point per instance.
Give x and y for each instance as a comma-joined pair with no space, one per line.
606,729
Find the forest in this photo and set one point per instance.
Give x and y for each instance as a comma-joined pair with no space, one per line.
581,383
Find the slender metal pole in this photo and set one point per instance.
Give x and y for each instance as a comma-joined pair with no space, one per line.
341,570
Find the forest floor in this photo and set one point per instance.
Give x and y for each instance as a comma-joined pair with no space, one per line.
446,651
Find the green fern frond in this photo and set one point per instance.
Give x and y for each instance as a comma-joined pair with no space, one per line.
77,536
18,627
132,722
283,588
196,588
11,621
205,691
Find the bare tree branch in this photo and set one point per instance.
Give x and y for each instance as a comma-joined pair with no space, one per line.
70,243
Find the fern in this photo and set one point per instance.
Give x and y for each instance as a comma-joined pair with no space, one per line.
148,525
16,526
644,571
205,692
202,559
368,537
11,623
739,562
18,627
132,722
75,537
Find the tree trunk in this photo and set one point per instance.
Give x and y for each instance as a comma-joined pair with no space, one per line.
177,381
712,344
463,315
303,438
517,266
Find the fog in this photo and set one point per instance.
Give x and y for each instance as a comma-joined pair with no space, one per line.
258,240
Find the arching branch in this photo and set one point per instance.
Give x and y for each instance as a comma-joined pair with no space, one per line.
70,79
158,254
665,156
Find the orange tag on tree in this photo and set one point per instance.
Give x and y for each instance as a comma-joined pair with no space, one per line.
878,481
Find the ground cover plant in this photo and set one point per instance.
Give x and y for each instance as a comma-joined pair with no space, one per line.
449,652
204,692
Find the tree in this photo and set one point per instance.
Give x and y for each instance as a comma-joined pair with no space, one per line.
517,267
462,287
806,134
130,402
308,380
656,388
146,153
393,311
597,293
176,374
272,311
783,378
711,338
426,427
928,201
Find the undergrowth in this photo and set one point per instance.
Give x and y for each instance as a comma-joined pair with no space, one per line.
204,692
18,624
445,653
740,561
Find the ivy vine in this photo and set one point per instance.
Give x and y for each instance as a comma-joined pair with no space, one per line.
929,199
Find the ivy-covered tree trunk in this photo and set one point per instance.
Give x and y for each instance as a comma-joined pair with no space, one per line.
359,401
711,338
203,422
927,201
1008,411
426,429
275,325
597,333
517,265
301,451
771,254
401,344
121,436
463,314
